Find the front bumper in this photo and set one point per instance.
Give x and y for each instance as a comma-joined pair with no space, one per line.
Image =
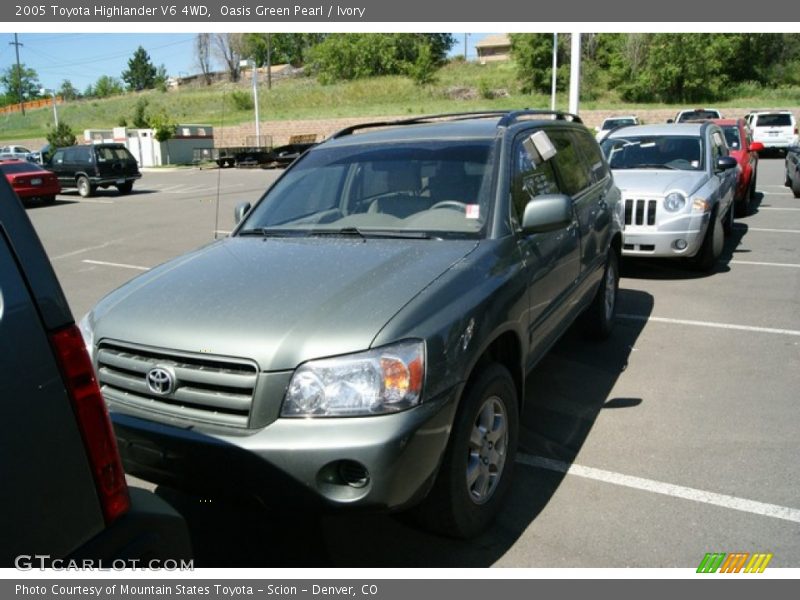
660,239
380,462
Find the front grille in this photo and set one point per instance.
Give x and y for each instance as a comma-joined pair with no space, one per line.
203,388
640,212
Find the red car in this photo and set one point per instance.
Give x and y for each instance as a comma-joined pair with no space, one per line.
29,180
745,151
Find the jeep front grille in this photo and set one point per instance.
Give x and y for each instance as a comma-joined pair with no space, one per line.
202,388
640,212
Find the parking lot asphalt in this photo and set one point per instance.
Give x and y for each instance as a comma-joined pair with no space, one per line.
676,437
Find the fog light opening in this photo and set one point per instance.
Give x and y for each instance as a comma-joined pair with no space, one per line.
353,474
680,244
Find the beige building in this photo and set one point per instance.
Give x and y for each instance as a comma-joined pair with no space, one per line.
494,48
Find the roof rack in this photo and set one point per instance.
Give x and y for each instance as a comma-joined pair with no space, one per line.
507,118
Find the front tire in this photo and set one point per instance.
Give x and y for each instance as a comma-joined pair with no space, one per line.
711,250
477,466
85,189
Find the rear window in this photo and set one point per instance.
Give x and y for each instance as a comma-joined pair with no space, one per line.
732,137
19,167
698,115
113,153
774,120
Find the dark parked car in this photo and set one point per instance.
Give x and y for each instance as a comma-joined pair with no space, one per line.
93,166
793,168
364,335
64,493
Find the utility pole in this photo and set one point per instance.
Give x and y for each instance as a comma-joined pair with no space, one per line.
555,72
575,73
17,43
269,61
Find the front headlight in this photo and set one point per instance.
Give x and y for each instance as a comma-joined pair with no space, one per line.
380,381
87,331
674,202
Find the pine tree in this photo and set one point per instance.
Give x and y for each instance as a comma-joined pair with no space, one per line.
141,73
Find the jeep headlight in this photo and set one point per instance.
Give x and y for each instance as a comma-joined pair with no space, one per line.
380,381
674,202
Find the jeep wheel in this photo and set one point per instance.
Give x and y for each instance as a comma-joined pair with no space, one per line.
477,466
598,320
796,188
727,224
125,188
711,249
85,189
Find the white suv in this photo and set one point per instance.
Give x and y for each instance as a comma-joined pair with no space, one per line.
775,129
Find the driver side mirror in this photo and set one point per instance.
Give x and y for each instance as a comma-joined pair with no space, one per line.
240,212
725,163
547,213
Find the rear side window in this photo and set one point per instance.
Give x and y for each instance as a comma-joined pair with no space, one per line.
572,172
774,120
105,153
592,154
529,181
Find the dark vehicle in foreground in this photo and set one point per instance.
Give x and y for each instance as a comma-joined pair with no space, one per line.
792,165
30,181
64,493
742,147
363,337
677,182
91,166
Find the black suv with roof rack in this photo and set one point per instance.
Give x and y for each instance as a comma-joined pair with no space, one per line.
91,166
363,337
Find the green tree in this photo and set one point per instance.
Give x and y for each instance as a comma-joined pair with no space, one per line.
347,56
533,60
141,74
61,136
164,128
283,47
18,80
105,86
68,91
140,119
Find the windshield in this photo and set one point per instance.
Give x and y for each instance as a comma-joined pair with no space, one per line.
683,153
440,188
732,137
614,123
697,115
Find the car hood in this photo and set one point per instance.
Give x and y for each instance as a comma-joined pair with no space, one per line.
278,301
656,182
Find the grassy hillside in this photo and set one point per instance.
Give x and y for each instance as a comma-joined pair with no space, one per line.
458,87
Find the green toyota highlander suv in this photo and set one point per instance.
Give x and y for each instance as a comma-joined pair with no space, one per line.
363,337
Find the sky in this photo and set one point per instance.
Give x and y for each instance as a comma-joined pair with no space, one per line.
83,57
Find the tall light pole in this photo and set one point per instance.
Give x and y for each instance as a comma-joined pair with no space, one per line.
555,69
251,63
575,73
55,110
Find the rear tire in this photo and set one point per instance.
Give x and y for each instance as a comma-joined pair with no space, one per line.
125,188
477,466
598,320
796,188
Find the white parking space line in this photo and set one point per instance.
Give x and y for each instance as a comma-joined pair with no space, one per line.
89,201
763,264
710,324
223,231
658,487
81,251
749,229
112,264
760,208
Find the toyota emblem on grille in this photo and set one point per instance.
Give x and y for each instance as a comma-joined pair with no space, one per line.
160,381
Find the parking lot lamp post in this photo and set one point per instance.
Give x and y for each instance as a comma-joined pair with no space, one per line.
252,64
55,110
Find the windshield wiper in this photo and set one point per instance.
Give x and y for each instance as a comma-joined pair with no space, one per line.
371,233
271,232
